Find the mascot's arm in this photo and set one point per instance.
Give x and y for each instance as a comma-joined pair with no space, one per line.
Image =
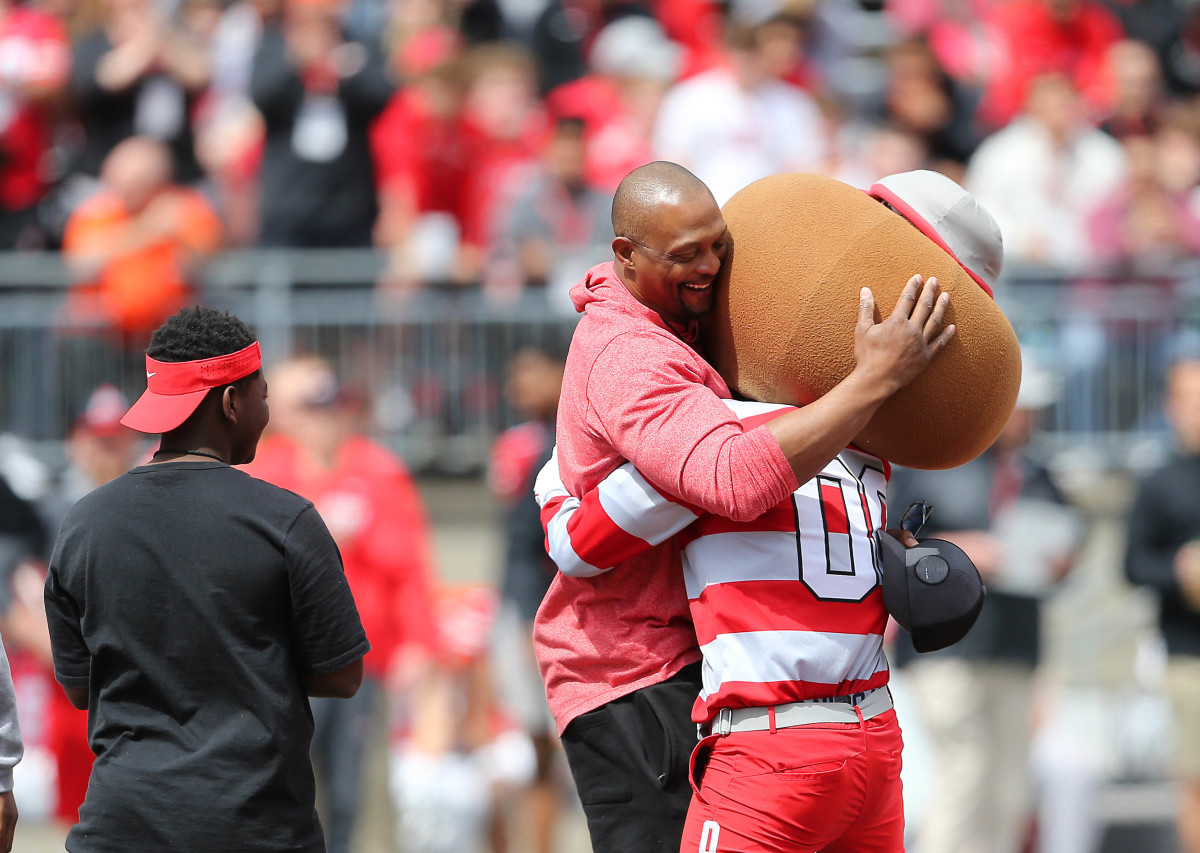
620,518
623,516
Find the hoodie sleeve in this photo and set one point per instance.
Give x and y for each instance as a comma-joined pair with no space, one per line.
648,398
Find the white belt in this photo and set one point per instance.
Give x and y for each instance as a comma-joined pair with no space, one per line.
838,709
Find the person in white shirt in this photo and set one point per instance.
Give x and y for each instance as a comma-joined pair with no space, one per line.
1043,175
740,122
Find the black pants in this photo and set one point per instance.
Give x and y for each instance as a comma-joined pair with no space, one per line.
630,763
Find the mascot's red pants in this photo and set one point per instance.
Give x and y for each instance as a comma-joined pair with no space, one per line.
833,788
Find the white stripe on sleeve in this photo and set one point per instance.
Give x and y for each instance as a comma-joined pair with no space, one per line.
559,541
639,509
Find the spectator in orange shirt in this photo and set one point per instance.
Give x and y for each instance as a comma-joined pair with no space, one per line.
133,244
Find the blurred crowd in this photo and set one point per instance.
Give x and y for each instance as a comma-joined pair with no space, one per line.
477,141
450,731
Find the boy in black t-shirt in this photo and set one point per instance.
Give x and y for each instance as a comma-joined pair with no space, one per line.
193,609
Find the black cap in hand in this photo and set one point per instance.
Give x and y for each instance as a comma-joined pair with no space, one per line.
933,590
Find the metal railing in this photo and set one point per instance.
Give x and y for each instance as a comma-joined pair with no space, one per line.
434,361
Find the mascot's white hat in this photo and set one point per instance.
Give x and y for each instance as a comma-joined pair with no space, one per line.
949,216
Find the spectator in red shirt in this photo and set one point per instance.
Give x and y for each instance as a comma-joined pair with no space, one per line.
1033,37
420,149
632,64
35,61
507,129
696,25
454,149
368,501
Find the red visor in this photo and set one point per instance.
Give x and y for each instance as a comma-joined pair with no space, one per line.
174,389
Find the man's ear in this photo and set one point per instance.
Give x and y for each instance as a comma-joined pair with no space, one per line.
229,403
623,251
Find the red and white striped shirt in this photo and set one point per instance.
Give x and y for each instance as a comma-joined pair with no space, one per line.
786,607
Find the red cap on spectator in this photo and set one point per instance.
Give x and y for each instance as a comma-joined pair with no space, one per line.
105,408
174,389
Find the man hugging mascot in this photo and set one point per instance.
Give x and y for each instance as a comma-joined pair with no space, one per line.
800,747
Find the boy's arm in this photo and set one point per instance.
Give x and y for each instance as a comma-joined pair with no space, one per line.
342,683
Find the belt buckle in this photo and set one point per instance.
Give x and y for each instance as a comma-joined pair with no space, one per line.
852,699
724,722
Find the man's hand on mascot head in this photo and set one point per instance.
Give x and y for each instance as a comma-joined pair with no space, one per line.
893,351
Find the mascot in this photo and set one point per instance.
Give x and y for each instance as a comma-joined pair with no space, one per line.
783,326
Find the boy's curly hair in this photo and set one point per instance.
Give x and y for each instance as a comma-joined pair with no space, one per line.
199,332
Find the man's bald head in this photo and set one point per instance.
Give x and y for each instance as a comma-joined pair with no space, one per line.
646,190
670,242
